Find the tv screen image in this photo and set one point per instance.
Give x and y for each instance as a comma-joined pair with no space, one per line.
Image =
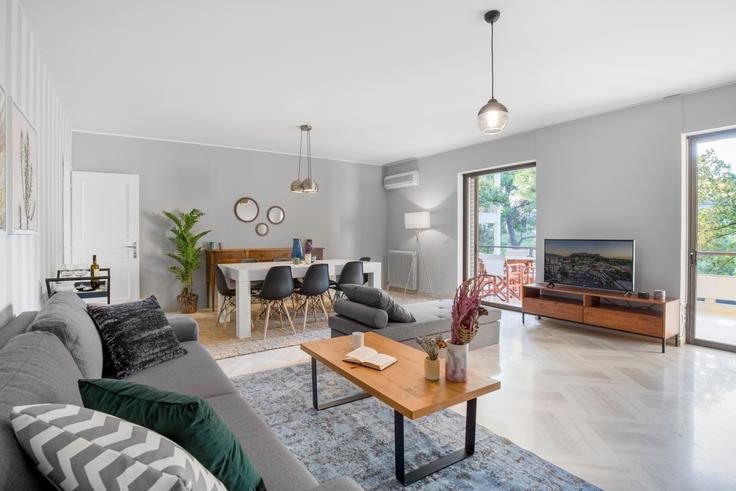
602,264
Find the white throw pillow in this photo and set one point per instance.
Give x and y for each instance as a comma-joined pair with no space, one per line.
81,449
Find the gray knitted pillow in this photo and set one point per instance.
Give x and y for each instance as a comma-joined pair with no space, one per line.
136,335
65,315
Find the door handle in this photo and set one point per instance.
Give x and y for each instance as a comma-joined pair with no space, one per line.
135,249
693,257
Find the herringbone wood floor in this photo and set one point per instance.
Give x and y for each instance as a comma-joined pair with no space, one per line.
606,406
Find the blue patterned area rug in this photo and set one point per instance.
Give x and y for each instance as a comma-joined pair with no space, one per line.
357,439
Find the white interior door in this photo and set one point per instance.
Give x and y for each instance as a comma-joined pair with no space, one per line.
105,213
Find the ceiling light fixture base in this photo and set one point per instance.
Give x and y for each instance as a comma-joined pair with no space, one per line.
492,16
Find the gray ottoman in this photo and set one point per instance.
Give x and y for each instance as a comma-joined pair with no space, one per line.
432,319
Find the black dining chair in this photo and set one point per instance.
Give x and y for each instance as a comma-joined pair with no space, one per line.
277,286
365,259
228,301
315,285
351,274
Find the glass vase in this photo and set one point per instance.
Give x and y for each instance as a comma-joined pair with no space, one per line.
296,249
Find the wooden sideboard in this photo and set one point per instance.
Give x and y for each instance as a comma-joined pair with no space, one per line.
645,316
229,256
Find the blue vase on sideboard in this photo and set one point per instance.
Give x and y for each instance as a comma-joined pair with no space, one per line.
296,249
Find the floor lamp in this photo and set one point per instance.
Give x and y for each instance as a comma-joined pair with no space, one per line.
417,221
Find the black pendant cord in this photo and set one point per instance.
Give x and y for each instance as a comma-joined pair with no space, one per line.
309,153
299,174
493,75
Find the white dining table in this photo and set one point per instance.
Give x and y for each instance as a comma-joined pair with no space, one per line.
241,274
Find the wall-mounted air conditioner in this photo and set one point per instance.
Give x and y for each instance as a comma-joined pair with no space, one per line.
402,180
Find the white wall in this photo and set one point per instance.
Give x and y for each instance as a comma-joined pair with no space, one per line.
347,216
615,175
25,260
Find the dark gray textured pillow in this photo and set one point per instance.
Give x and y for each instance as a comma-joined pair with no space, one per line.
65,315
136,335
374,297
365,314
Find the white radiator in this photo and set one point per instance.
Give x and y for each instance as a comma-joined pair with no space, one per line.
400,265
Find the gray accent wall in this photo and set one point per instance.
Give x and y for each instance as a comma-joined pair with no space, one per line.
615,175
347,216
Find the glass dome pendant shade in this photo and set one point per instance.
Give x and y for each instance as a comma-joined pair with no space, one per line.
493,116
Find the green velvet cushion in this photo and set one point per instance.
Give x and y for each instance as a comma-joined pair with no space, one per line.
187,420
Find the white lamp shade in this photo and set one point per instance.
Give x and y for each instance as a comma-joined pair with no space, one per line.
416,220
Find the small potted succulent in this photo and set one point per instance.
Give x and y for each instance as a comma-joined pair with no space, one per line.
466,309
432,347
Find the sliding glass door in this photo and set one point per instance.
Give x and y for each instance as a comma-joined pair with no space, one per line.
500,230
712,302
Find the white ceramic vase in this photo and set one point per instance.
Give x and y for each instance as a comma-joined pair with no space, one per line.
456,367
308,258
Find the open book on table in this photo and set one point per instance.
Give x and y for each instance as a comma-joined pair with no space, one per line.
370,358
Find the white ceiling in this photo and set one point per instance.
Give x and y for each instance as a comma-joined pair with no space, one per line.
380,81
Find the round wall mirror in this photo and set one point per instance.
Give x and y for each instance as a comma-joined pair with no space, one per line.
261,229
275,215
246,209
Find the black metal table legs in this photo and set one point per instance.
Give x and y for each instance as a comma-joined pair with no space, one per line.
427,469
449,459
336,402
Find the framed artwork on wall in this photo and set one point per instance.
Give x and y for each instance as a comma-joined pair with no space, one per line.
3,161
24,163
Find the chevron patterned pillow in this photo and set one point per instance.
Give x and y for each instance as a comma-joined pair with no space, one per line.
79,449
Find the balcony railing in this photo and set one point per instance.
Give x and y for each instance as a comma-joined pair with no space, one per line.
716,288
716,253
491,249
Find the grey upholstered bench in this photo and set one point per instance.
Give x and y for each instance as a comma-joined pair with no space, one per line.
432,319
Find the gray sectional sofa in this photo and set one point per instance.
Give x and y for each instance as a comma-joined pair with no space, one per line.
36,367
432,319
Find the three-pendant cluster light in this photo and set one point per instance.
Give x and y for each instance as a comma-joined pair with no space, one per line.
493,117
308,185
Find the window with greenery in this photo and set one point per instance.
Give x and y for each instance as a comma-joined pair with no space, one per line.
512,195
716,214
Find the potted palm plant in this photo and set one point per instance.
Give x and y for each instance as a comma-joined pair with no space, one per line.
186,256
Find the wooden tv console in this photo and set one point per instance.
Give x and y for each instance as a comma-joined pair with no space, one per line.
613,310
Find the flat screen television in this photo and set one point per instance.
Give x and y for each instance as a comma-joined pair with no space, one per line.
601,264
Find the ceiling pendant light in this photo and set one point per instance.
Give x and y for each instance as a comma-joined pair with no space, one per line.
493,117
309,185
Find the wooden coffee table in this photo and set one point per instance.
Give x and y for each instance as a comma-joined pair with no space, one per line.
402,386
